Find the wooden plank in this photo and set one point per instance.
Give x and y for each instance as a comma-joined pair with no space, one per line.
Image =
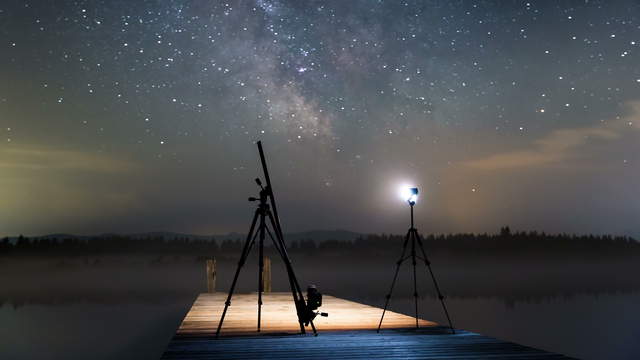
427,343
348,333
279,315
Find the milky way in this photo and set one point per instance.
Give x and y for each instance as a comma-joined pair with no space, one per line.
143,115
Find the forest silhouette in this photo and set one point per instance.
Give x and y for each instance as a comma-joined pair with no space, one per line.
505,242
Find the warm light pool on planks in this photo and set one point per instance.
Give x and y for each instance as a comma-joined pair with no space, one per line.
348,333
279,316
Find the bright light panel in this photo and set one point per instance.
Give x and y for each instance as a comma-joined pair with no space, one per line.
406,193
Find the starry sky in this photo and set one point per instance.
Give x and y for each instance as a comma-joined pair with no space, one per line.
131,116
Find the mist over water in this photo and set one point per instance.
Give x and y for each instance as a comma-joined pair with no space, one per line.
128,307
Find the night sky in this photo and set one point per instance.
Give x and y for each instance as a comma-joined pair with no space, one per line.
133,116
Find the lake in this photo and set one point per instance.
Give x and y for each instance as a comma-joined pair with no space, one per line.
129,308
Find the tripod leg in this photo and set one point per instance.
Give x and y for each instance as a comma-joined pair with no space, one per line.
435,282
243,258
296,292
261,267
395,277
294,283
315,332
415,281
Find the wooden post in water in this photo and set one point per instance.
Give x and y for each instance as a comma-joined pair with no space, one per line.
211,275
266,275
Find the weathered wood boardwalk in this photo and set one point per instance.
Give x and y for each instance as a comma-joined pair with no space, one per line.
279,315
348,333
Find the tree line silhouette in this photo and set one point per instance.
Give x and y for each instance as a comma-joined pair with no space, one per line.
503,243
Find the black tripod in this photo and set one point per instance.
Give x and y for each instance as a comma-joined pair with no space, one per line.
262,213
413,236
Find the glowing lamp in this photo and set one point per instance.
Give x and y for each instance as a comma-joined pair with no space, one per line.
409,194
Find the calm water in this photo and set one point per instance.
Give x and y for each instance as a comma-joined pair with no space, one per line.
135,318
87,331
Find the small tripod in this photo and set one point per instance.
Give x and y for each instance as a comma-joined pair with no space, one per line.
263,212
413,236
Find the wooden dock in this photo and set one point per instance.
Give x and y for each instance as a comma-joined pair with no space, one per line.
348,333
279,316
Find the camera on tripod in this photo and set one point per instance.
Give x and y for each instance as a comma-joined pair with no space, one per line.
314,301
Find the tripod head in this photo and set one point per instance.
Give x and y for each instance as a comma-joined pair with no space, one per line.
265,192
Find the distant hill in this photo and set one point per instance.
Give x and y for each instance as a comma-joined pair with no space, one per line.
320,235
315,235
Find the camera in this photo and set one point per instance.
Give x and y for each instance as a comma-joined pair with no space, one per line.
314,301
